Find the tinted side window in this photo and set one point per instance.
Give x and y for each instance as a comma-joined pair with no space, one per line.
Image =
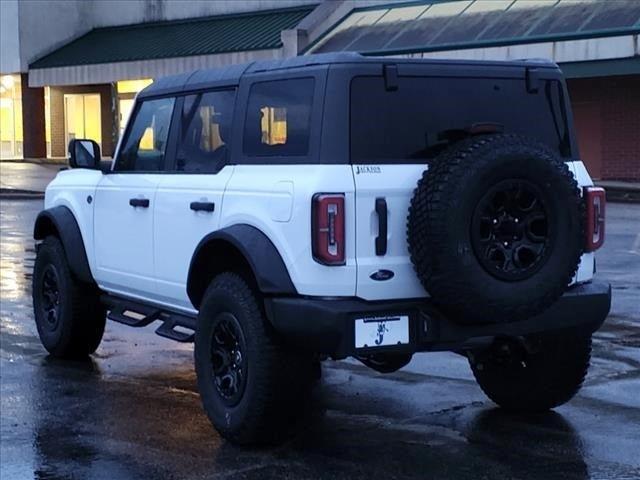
205,132
146,141
425,114
279,118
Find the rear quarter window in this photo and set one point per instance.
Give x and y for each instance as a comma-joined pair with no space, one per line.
278,118
418,120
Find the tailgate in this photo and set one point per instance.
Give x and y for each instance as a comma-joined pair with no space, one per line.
385,274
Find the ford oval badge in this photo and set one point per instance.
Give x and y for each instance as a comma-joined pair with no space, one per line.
382,275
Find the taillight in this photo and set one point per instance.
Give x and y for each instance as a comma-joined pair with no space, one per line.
327,228
595,201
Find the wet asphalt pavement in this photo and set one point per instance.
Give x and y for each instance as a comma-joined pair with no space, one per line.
133,411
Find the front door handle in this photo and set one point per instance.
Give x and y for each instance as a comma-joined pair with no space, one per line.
139,202
202,206
381,239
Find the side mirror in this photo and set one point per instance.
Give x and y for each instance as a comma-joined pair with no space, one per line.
84,153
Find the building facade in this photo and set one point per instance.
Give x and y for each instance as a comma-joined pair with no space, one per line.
79,73
71,68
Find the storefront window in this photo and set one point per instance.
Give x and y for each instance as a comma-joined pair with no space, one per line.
11,145
127,90
133,86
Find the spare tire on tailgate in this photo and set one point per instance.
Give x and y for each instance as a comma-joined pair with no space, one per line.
495,229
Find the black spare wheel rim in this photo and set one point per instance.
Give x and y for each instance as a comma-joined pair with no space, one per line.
228,358
50,292
511,232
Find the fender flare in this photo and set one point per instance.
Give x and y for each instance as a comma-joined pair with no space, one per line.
266,263
61,221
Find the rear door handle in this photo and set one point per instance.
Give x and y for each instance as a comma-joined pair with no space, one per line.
381,239
203,206
139,202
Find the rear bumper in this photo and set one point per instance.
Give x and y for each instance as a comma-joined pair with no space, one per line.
327,325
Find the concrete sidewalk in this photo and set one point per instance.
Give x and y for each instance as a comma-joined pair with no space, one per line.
25,178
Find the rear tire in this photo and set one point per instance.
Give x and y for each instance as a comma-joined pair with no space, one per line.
548,375
68,313
253,388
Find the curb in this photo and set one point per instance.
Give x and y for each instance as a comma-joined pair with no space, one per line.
18,194
37,161
621,194
620,191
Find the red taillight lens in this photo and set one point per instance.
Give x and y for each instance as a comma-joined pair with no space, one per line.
595,201
327,228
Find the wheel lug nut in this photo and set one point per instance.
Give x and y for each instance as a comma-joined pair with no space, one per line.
495,220
516,220
506,244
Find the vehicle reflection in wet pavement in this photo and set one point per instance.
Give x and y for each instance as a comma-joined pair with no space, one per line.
132,410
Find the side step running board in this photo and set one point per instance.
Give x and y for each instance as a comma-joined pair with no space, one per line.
173,320
136,314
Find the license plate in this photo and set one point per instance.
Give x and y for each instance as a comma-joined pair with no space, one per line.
374,332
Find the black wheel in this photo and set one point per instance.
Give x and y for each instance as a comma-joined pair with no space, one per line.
253,387
68,313
495,229
534,375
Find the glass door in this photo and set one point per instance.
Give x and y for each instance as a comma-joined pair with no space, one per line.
82,117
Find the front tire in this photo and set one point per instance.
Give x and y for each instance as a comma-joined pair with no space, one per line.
544,372
68,313
253,388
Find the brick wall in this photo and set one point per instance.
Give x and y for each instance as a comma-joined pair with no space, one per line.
617,100
34,140
107,113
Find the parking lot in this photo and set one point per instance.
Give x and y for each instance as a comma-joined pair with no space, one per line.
132,410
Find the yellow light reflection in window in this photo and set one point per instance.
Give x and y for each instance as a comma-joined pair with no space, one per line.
146,142
274,125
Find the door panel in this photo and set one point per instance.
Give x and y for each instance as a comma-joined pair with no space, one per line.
123,233
178,228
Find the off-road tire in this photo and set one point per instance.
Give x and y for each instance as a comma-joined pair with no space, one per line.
440,221
278,379
546,377
76,329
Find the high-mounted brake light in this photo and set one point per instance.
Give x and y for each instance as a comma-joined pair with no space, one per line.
327,228
595,201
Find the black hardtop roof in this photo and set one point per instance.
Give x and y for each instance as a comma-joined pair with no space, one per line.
230,75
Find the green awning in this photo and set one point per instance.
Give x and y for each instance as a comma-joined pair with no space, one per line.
179,38
445,25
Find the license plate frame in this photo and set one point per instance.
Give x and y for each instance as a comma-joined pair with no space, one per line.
381,331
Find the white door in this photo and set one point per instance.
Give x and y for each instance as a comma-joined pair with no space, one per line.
125,201
189,202
124,206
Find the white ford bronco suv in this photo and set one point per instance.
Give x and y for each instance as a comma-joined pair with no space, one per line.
283,212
